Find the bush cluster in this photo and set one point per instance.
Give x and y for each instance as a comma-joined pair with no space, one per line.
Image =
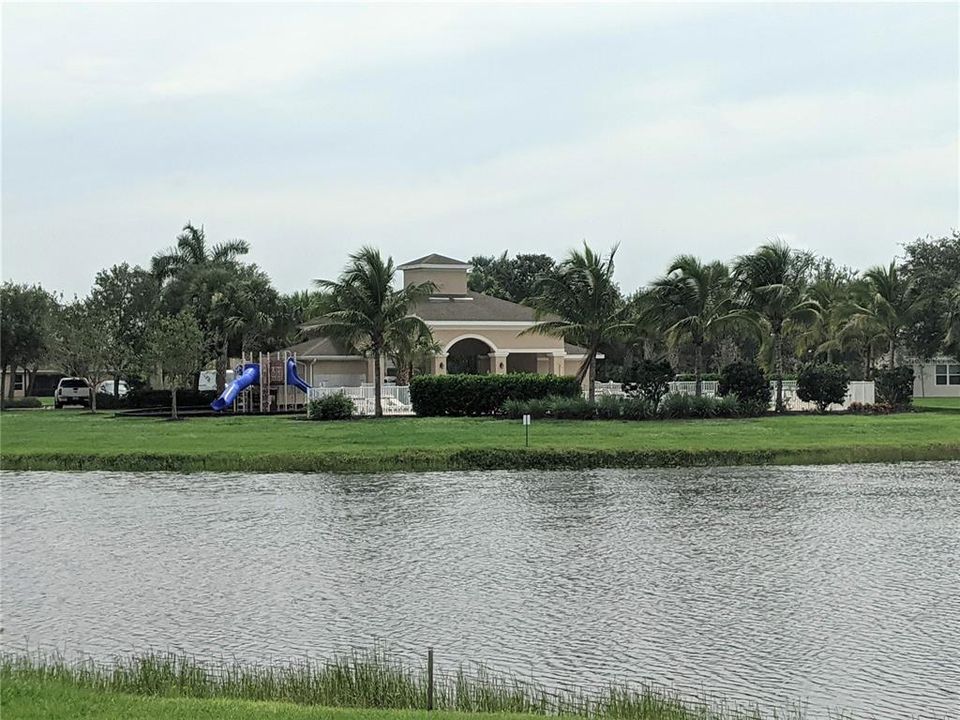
147,398
690,377
746,381
459,395
859,408
22,402
331,407
648,380
823,384
673,407
895,386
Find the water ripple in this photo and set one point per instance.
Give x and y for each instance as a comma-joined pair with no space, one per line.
835,587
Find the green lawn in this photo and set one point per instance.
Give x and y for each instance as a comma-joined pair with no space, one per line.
74,439
50,700
952,403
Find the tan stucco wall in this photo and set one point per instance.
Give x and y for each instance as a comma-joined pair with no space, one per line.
350,372
502,339
448,282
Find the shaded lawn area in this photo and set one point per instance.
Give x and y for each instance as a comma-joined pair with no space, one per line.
77,431
941,403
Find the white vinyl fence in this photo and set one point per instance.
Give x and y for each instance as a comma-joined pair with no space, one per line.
395,399
861,391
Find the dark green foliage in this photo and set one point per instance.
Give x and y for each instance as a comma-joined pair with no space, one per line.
648,380
895,387
746,381
679,406
857,408
823,384
637,409
470,395
332,407
573,408
24,402
608,407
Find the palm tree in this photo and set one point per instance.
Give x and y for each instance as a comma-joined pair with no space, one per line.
771,283
892,304
408,348
692,301
367,311
192,273
581,304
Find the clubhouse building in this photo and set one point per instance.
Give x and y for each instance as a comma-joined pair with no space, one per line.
476,333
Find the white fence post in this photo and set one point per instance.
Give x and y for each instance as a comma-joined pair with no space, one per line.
395,399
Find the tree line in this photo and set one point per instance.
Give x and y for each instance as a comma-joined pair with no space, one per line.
198,304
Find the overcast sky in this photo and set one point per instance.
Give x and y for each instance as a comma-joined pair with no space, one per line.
311,129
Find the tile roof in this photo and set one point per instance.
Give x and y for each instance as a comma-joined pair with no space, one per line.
473,307
433,259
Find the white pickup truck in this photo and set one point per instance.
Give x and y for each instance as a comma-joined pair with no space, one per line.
72,391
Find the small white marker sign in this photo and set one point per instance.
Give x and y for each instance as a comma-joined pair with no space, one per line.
526,419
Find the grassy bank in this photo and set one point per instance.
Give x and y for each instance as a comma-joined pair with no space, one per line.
77,440
371,685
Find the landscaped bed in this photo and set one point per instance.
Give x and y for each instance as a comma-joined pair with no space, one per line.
77,440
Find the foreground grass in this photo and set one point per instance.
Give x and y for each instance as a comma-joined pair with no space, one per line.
78,440
371,684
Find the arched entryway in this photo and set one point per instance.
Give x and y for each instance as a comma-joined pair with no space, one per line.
469,355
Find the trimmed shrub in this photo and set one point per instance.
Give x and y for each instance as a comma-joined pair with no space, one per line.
331,407
459,395
536,408
752,408
22,403
679,406
609,407
675,406
858,408
745,381
895,387
823,384
648,380
637,408
572,408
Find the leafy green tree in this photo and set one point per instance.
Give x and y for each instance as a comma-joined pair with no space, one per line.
694,302
772,284
192,273
512,279
581,303
128,298
823,383
80,343
176,347
892,305
931,266
367,311
26,324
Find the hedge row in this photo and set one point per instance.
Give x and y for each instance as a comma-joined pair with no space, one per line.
460,395
672,407
144,398
22,403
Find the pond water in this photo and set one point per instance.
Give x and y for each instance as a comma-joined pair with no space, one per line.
838,587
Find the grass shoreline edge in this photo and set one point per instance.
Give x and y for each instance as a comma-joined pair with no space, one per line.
468,459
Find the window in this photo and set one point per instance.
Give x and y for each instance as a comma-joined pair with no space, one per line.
948,374
18,381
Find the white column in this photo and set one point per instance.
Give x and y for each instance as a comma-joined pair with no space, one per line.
498,363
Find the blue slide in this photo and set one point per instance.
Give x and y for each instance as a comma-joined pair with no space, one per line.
249,376
293,378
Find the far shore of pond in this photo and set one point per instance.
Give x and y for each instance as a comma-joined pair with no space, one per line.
79,440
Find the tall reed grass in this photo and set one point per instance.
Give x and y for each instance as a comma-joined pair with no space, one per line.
369,679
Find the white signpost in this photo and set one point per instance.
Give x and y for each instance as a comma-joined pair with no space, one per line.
526,428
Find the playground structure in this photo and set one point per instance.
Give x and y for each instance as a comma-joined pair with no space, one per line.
269,383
